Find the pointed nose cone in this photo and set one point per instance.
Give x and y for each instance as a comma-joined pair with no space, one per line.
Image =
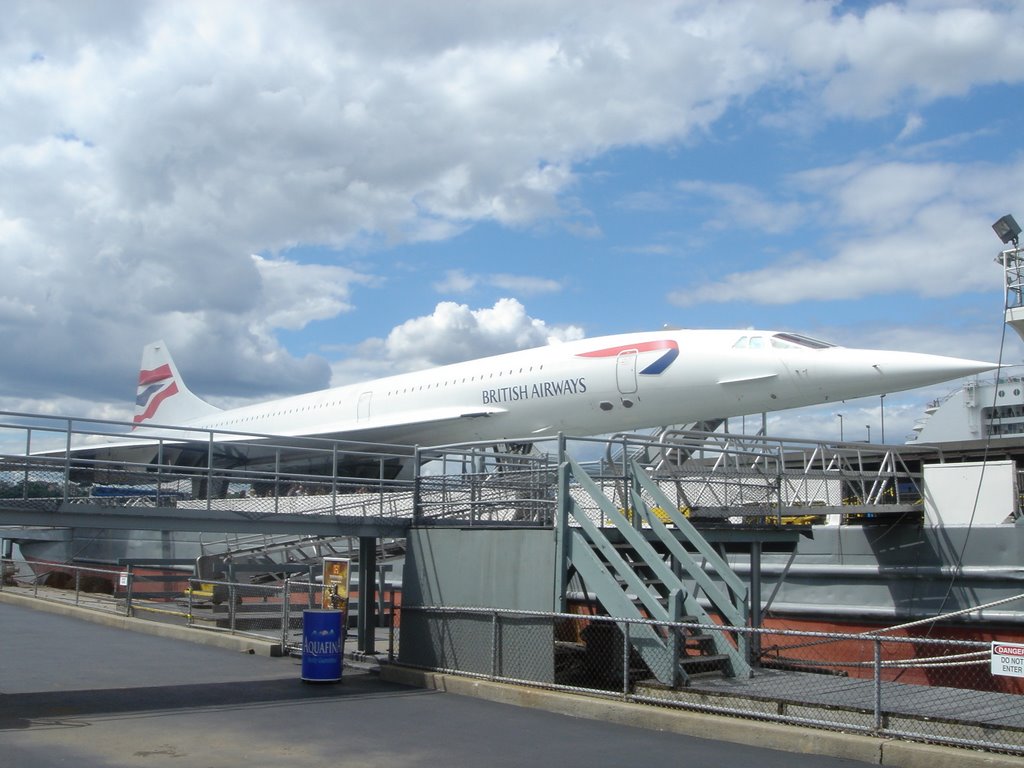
908,370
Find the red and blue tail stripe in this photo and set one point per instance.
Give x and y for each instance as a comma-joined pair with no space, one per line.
155,386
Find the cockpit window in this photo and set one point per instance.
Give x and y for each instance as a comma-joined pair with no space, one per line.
780,341
795,340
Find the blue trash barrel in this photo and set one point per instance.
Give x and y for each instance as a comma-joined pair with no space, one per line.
321,646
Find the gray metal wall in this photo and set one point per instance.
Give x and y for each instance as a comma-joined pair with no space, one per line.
467,567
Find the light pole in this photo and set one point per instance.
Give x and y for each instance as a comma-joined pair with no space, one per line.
840,426
881,399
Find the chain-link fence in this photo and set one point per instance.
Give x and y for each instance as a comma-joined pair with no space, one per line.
919,688
268,611
939,691
87,587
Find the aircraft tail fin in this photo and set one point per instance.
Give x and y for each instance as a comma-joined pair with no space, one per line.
162,396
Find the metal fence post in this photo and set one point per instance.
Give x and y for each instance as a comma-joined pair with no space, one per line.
285,617
391,632
625,659
128,600
231,605
494,645
878,685
78,584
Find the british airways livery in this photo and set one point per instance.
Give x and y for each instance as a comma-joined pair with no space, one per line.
587,387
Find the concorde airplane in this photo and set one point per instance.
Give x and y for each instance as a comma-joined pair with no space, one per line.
588,387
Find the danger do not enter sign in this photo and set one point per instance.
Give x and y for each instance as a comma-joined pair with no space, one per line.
1008,659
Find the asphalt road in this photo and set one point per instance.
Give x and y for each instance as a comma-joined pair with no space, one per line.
77,693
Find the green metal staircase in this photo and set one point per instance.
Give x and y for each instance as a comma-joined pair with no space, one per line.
637,572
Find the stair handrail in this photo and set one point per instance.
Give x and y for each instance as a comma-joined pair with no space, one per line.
635,539
736,613
652,560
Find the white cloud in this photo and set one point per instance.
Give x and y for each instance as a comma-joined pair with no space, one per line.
897,227
524,285
149,148
454,332
296,294
457,281
927,50
736,204
913,124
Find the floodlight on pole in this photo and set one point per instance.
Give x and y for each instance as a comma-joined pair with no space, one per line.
1008,230
1012,261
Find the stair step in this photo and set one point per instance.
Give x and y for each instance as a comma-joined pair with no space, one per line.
697,638
704,675
714,660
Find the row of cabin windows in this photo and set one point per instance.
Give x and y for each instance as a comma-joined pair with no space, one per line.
391,393
463,380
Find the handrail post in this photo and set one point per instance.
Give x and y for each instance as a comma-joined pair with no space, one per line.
563,505
67,462
625,477
780,471
28,452
334,480
277,480
417,500
209,473
159,469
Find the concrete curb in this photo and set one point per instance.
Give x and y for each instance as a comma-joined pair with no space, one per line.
200,636
779,736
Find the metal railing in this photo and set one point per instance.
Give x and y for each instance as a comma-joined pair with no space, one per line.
717,476
42,466
913,688
271,612
725,475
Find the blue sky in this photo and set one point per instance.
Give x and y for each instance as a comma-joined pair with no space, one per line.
297,196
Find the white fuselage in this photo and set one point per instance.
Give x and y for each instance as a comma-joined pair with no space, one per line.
594,386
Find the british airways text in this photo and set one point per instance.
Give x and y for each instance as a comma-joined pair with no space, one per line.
531,392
